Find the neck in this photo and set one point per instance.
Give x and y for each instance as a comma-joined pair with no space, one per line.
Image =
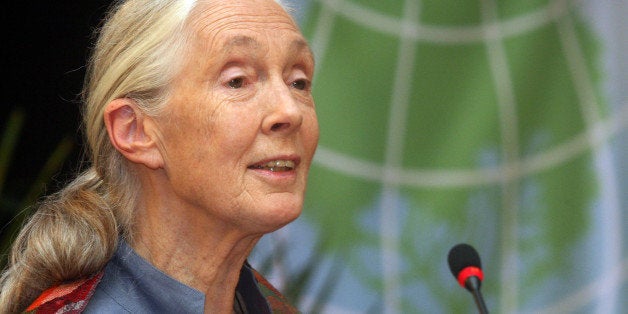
193,248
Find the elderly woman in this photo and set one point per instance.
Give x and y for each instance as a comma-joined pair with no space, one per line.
201,125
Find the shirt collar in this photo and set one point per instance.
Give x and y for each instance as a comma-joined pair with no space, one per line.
140,285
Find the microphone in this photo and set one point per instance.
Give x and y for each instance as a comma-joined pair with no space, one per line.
464,263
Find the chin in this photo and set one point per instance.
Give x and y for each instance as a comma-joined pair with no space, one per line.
280,215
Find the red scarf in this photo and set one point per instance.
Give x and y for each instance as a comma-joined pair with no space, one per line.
67,298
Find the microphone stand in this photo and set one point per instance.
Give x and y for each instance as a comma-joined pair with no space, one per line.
473,284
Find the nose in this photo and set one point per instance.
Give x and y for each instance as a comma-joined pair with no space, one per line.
284,113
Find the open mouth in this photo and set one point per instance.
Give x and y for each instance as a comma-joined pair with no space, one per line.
275,165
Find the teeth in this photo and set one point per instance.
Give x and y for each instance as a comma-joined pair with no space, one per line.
277,165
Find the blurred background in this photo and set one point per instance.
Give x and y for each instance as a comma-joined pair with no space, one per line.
498,123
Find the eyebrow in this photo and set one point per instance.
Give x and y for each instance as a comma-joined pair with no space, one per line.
240,41
296,45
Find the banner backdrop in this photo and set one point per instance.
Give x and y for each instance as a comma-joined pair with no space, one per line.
498,123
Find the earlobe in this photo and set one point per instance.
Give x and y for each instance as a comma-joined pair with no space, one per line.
130,133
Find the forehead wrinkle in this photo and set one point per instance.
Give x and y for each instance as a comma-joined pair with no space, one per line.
210,18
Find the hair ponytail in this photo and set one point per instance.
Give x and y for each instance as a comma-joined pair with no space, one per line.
71,236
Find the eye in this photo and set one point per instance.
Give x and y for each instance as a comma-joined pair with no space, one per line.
301,84
235,83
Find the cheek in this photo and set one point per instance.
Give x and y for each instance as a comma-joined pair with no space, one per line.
186,140
311,131
234,132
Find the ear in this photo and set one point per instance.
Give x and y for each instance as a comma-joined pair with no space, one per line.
130,133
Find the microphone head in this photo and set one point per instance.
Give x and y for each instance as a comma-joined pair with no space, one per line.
464,262
462,256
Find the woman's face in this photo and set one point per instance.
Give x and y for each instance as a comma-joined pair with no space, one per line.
240,129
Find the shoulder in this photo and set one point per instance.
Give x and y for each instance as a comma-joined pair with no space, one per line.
69,297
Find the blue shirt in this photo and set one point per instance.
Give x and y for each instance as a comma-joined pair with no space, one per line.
131,284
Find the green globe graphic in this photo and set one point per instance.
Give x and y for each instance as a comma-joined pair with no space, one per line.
483,122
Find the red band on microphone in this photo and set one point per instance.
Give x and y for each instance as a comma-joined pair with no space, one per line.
469,272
